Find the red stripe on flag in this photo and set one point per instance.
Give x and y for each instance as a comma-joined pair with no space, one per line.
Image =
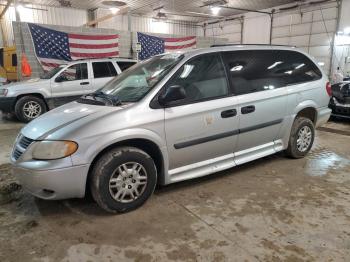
94,55
179,39
50,64
179,46
93,37
87,46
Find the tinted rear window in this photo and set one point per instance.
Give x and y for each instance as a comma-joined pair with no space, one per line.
259,70
103,69
125,65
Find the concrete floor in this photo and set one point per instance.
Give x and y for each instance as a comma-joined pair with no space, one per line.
273,209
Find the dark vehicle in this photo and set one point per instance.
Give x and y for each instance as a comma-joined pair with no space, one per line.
340,101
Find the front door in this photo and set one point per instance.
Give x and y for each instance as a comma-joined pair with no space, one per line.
202,129
258,80
70,84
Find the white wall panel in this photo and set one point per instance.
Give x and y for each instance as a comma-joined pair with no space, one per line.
320,40
311,29
320,51
257,30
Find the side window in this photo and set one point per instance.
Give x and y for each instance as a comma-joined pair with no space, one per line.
74,72
259,70
14,60
125,65
202,77
103,69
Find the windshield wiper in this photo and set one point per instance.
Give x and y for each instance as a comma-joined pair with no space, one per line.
110,99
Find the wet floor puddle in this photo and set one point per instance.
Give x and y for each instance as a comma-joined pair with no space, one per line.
322,161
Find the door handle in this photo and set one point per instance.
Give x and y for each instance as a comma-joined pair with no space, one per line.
229,113
247,109
84,83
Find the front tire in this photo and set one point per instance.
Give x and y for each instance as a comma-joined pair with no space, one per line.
123,179
301,138
28,108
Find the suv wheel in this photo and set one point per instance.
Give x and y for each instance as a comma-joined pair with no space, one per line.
123,179
301,137
28,108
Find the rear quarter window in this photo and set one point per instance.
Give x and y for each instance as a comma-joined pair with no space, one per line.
103,69
125,65
260,70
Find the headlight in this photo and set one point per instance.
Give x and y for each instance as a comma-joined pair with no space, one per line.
3,91
49,150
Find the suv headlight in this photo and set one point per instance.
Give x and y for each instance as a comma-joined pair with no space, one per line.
3,91
50,150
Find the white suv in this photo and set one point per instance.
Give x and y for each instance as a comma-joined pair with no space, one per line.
30,99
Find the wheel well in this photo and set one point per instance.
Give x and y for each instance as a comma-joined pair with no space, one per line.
309,113
146,145
36,95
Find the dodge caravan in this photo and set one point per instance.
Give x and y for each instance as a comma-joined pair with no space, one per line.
174,117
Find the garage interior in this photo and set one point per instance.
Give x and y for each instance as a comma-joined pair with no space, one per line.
272,209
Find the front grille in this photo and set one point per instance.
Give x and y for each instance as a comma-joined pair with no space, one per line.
21,145
24,142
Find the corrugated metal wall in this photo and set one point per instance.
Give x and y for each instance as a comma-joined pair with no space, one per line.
53,15
77,17
146,24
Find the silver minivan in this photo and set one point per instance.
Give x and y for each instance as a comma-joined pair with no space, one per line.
174,117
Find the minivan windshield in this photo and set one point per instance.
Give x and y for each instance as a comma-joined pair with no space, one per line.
51,73
134,83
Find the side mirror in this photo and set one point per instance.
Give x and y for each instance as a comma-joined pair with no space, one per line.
172,93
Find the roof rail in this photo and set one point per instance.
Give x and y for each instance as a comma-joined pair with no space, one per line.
95,58
218,45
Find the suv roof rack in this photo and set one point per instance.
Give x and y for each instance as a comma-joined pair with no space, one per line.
218,45
95,58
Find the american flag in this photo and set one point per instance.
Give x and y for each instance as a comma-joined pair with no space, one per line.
152,45
54,48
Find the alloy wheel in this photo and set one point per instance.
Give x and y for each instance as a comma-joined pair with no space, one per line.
128,182
32,109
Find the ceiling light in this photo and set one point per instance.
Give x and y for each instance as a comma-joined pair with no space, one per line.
20,8
114,10
215,10
320,63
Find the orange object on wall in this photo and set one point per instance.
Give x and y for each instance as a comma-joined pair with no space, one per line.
26,69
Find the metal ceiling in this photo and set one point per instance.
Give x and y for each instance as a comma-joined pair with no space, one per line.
145,7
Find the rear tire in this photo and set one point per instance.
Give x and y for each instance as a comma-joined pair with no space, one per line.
123,179
301,138
28,108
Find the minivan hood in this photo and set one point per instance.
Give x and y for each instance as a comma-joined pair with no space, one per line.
61,117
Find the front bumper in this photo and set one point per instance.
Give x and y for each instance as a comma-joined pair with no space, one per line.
7,104
53,184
